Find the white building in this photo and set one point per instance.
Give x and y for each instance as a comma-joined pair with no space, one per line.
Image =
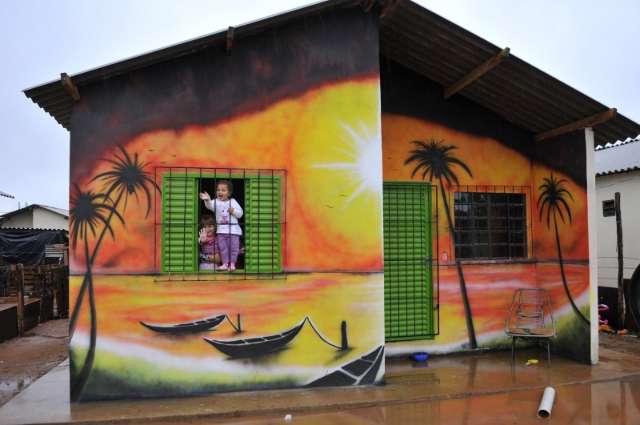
618,170
36,216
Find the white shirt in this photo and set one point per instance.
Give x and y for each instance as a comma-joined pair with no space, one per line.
226,222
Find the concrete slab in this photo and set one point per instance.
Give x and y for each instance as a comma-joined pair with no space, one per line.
486,376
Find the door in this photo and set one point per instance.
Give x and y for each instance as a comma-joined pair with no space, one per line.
408,286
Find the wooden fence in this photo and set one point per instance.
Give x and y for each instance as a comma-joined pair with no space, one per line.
24,285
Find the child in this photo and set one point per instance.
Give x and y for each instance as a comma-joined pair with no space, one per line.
227,212
208,250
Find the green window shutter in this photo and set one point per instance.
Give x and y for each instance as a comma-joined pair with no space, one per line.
408,289
179,223
263,234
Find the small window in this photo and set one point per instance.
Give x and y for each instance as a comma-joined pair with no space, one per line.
490,225
608,208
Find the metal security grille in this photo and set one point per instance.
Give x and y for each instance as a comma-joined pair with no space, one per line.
260,193
491,225
410,301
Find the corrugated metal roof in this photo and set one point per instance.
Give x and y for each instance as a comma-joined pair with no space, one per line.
420,40
60,211
619,157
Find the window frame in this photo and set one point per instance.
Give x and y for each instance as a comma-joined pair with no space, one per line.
197,174
491,192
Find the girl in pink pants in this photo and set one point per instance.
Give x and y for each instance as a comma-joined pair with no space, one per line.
227,212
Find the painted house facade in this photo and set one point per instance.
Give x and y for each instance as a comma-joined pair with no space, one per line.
373,214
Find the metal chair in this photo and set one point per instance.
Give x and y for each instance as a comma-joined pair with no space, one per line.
530,317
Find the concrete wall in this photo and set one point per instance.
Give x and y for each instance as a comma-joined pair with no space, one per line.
628,184
45,219
23,221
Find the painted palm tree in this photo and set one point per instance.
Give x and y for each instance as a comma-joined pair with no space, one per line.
88,212
435,160
126,178
552,202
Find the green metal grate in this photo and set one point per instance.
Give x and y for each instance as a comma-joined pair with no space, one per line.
408,278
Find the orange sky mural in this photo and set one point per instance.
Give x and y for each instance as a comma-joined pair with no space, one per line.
493,165
327,140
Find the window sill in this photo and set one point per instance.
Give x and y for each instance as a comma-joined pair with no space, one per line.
494,261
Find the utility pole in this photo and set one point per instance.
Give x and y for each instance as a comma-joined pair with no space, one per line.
621,306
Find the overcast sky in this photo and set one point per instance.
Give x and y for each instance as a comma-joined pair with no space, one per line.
592,45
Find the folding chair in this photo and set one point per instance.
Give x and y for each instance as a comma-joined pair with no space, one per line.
530,317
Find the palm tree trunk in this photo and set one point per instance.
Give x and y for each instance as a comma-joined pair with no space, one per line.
73,319
79,383
564,278
463,286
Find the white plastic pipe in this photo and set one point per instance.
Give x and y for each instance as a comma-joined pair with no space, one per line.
546,404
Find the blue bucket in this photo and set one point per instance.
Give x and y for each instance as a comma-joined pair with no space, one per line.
420,357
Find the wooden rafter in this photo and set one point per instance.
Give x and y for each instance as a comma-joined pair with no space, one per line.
387,7
583,123
69,86
230,33
476,73
367,5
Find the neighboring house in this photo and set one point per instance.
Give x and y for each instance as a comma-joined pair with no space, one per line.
618,170
393,198
36,216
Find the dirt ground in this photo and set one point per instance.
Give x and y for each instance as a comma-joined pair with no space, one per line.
23,360
629,344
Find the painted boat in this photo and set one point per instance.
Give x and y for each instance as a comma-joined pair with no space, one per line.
361,371
258,346
188,327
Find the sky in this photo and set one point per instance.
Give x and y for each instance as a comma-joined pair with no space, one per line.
593,46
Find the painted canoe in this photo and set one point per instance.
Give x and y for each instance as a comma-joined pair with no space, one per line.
258,346
188,327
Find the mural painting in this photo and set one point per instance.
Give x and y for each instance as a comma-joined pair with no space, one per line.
510,215
227,231
232,216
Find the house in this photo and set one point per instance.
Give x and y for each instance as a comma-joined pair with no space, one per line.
36,216
617,167
395,178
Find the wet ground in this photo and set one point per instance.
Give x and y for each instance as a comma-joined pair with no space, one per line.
23,360
457,389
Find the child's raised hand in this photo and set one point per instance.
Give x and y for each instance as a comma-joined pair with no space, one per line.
203,235
205,196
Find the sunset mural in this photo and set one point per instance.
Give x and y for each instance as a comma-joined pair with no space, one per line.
329,136
490,286
141,329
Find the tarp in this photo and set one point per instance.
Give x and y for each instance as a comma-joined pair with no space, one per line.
26,246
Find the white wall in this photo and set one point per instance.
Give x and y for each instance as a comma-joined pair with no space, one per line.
628,184
23,221
45,219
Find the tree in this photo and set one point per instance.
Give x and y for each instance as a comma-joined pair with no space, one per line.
434,158
552,202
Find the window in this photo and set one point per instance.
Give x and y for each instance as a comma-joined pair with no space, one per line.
490,225
259,193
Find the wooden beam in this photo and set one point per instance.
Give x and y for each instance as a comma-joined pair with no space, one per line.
387,7
583,123
476,73
69,86
230,33
367,5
